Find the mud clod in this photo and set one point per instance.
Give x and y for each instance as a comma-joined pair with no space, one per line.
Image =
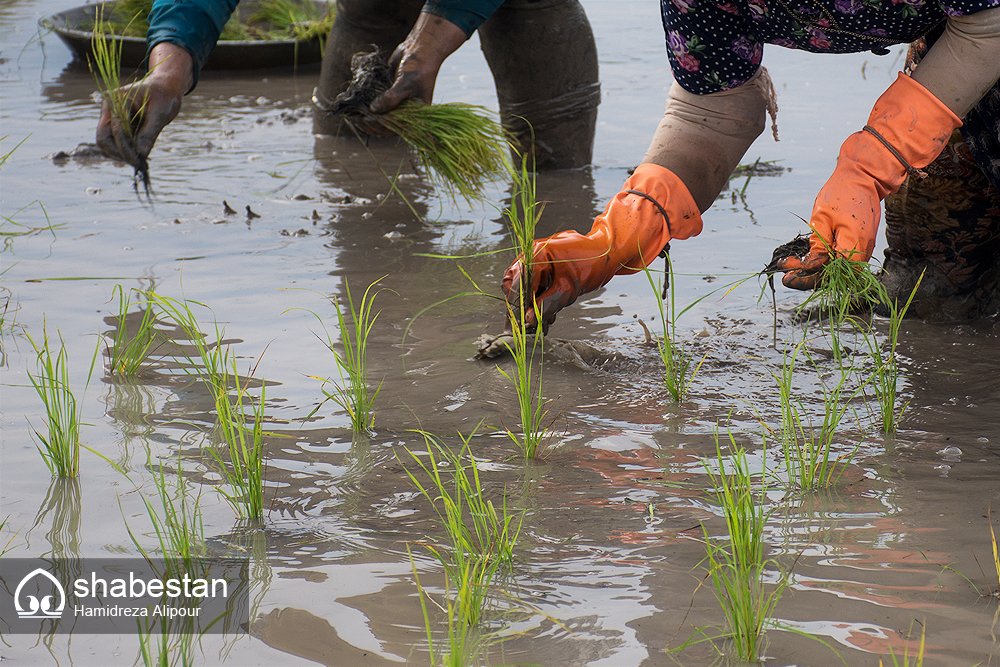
372,77
797,247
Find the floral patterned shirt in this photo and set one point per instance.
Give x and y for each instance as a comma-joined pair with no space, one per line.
715,45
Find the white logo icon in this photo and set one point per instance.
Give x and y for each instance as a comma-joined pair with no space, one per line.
40,608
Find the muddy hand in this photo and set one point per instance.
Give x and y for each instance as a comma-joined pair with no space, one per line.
152,103
417,60
803,273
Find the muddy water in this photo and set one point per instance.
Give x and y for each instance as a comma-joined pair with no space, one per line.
609,555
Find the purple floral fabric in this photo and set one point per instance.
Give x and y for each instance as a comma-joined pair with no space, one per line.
714,45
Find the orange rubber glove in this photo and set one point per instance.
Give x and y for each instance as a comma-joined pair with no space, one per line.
846,214
629,235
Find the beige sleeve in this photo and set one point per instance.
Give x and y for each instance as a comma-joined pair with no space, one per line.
964,62
702,138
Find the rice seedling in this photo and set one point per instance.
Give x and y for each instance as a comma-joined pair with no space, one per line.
808,452
242,431
481,539
522,219
465,643
737,569
60,443
526,376
106,68
885,375
904,660
210,360
846,286
459,147
176,522
352,392
127,354
677,373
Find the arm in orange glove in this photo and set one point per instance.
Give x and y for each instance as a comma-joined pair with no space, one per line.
698,143
909,126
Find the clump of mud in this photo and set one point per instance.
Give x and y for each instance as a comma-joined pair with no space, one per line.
797,247
371,77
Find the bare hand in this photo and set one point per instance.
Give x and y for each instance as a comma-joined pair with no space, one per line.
152,103
417,60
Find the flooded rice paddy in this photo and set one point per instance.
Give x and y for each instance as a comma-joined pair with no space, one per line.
606,571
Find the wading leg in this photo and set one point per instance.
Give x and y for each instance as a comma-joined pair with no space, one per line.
544,62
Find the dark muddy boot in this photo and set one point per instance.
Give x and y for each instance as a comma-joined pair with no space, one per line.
544,62
358,26
946,226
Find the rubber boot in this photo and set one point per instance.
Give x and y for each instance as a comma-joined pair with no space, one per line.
544,62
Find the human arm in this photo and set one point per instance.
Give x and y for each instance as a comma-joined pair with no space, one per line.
698,143
181,35
442,27
915,117
154,102
418,59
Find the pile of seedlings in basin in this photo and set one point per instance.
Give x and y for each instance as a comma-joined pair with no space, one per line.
272,20
459,147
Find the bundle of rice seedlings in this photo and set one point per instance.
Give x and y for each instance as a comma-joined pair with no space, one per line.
458,146
106,68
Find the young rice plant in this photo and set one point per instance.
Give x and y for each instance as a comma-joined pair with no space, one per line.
127,354
677,373
736,570
352,392
241,430
106,68
458,146
60,448
808,452
481,539
885,375
526,376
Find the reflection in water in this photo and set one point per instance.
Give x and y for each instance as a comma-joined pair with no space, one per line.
62,507
298,632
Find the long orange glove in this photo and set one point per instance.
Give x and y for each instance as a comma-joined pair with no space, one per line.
629,235
846,214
